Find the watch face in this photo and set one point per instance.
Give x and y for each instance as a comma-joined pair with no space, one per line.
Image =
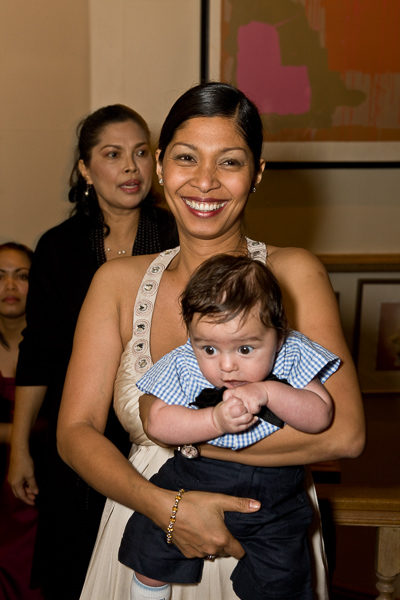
189,451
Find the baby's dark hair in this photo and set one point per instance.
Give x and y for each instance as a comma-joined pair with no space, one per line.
226,286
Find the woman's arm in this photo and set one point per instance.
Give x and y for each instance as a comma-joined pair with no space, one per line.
5,433
312,309
47,342
21,473
88,390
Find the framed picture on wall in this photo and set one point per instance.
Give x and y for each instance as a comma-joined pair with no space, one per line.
311,67
377,335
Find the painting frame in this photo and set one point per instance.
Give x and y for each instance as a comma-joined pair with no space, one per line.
376,346
336,154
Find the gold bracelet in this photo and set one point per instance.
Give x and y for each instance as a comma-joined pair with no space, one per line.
172,519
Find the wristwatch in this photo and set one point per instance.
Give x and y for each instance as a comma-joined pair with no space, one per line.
189,451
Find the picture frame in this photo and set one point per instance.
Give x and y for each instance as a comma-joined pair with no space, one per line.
377,335
345,271
345,135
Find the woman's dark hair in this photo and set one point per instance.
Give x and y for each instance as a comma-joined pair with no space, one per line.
226,286
88,133
214,99
29,254
18,247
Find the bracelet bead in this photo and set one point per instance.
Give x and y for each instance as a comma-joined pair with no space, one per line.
172,519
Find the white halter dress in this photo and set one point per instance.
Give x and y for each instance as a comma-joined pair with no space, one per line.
107,579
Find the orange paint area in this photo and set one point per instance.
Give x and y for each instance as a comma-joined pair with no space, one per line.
362,35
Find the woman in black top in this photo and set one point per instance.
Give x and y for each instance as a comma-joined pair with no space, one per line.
115,215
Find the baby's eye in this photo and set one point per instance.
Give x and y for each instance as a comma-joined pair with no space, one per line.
209,350
245,350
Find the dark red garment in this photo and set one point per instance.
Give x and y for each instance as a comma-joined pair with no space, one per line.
17,523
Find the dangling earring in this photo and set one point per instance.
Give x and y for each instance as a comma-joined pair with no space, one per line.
161,181
87,191
253,190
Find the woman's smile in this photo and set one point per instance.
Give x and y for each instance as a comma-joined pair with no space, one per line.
206,208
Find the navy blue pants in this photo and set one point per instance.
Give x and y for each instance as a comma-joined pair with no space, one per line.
276,564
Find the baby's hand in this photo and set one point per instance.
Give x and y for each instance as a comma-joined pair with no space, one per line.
232,416
252,395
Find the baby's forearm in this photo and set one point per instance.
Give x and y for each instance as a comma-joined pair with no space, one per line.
308,409
175,425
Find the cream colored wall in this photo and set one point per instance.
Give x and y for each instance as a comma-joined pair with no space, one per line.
144,53
58,60
44,82
328,211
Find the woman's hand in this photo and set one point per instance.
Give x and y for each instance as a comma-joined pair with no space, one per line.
21,477
200,528
21,473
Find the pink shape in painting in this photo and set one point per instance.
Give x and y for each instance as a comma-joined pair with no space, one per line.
260,74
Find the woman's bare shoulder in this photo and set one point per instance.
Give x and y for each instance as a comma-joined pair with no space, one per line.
289,262
126,269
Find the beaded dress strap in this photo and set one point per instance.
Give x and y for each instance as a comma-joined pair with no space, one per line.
144,307
257,250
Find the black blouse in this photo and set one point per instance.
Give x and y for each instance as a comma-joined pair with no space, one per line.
64,262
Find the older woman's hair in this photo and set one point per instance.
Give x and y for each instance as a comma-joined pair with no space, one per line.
214,99
226,286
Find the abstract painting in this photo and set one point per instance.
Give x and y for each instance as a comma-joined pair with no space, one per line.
318,70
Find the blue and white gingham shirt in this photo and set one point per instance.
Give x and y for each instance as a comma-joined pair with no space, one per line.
177,379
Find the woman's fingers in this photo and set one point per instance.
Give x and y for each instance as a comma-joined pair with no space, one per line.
22,479
23,491
200,528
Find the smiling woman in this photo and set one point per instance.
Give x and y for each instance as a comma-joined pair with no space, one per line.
209,161
115,215
211,177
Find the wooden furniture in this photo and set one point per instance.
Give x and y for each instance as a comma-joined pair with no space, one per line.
377,507
326,472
